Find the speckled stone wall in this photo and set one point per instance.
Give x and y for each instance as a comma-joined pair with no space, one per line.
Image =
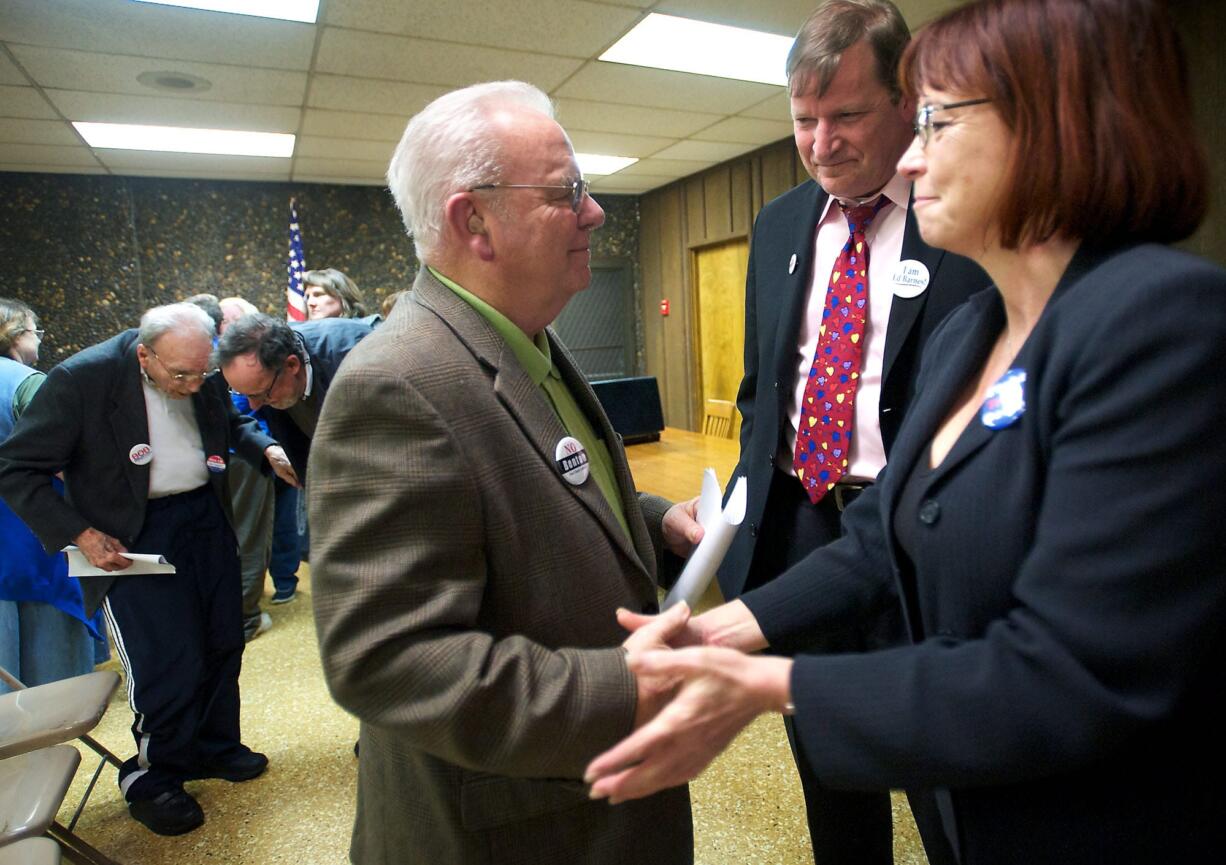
90,253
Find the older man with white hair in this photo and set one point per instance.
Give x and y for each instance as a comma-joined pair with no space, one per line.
475,525
142,431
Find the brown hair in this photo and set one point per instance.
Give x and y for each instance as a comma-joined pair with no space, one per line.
15,318
1095,93
835,26
340,286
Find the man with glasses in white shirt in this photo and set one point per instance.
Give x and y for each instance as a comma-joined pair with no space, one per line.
142,431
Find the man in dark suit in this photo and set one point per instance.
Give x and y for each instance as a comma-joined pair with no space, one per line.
287,369
142,432
851,125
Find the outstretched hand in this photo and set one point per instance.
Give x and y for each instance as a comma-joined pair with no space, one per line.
722,690
654,634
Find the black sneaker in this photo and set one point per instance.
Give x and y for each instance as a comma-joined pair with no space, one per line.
172,813
242,768
284,596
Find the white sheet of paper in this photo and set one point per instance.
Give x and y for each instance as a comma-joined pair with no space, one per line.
142,563
719,525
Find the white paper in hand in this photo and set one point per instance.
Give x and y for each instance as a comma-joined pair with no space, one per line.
718,526
142,563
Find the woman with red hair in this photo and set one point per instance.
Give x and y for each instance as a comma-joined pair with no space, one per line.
1050,517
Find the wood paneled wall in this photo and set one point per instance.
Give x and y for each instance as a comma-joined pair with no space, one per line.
713,206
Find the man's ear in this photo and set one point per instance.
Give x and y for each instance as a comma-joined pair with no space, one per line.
467,222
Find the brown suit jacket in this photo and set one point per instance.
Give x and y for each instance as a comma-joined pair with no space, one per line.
464,599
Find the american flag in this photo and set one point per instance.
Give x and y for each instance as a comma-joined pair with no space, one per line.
295,298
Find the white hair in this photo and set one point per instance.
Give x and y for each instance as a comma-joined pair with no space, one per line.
447,148
161,320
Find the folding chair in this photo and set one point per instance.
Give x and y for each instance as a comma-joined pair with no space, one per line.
34,718
30,851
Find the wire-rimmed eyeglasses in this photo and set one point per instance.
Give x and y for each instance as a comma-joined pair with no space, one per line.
183,376
578,189
923,116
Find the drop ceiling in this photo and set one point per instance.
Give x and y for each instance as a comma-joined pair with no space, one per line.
347,84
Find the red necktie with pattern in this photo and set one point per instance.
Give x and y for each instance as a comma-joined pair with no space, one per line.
824,438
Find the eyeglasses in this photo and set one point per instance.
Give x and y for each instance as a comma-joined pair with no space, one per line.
38,332
578,189
183,376
262,397
923,117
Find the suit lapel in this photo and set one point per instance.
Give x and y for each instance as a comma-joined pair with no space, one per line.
528,405
213,425
965,358
639,545
794,283
905,311
130,427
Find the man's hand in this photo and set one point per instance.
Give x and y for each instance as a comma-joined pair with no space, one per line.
655,691
682,531
281,465
102,550
729,625
721,692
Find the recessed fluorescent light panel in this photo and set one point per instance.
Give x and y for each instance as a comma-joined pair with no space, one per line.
684,45
176,139
594,163
286,10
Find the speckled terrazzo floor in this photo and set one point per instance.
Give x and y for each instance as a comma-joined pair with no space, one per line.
747,806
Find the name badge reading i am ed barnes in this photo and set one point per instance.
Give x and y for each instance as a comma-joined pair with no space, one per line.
571,460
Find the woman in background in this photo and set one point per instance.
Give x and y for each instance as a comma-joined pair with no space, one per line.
332,294
1050,519
44,632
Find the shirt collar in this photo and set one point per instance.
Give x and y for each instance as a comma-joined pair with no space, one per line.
533,355
897,190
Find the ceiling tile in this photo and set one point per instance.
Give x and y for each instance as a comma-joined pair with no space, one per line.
782,17
24,102
44,154
576,114
51,169
112,108
337,181
570,28
117,73
123,27
674,168
376,55
630,183
659,88
349,124
355,167
9,73
397,98
612,144
205,173
715,151
344,148
746,130
38,132
140,159
775,107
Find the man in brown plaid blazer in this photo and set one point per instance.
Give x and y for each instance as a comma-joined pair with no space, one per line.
475,525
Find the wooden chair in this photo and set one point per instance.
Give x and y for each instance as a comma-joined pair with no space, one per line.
717,418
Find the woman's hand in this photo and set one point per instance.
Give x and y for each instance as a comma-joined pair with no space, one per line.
722,690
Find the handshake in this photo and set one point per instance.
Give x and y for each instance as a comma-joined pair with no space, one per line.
697,688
